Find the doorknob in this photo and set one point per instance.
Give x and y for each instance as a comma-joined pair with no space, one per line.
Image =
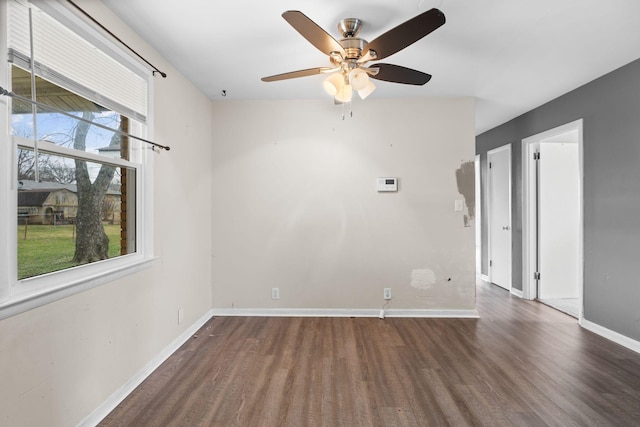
506,227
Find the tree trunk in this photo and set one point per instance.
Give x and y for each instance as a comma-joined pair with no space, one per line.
92,243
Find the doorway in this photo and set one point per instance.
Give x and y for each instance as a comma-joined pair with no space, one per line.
552,218
499,216
478,218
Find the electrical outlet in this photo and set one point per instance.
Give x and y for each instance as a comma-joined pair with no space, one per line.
275,293
387,293
180,315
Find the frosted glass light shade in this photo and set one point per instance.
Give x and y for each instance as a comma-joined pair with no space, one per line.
345,94
367,90
358,79
333,84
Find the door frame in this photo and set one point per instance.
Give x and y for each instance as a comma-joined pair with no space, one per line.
506,147
478,218
529,214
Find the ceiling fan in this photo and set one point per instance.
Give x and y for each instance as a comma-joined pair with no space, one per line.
350,55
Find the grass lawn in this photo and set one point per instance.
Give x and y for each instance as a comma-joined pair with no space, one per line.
50,248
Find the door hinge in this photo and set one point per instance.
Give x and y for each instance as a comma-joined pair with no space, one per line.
536,275
490,263
489,165
536,156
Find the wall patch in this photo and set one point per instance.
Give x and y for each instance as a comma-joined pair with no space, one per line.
423,278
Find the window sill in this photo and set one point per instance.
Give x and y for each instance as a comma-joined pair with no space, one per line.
44,290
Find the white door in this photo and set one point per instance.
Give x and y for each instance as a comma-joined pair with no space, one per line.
499,220
558,220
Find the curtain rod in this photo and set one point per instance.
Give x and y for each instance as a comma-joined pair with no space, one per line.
48,107
155,69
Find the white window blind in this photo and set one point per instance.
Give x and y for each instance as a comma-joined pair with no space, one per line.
65,58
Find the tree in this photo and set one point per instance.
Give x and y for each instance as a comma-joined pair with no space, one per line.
26,165
55,170
50,168
92,243
26,159
108,210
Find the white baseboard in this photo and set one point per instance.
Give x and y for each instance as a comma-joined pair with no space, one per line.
303,312
516,292
119,395
485,278
623,340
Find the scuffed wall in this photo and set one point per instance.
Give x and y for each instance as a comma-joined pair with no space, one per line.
466,179
296,206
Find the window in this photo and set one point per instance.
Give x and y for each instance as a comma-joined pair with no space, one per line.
73,213
77,216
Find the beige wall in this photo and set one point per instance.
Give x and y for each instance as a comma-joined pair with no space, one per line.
295,204
58,363
282,194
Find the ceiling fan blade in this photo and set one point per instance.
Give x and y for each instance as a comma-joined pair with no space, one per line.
313,32
398,74
405,34
296,74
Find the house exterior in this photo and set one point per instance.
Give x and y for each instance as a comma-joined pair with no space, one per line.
55,203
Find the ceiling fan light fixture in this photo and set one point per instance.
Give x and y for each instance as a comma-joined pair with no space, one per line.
369,88
344,94
349,55
358,78
333,84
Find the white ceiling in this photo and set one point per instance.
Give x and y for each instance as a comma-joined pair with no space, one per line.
512,55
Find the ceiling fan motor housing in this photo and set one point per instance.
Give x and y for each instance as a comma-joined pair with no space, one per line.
353,47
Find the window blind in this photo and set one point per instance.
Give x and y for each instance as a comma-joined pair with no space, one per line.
65,58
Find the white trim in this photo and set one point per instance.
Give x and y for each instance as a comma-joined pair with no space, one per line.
71,282
8,197
120,394
528,214
339,312
623,340
485,278
59,150
478,216
528,210
517,292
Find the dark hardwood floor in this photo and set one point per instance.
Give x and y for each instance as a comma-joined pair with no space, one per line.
520,364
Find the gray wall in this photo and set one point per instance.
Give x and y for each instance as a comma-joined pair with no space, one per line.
610,107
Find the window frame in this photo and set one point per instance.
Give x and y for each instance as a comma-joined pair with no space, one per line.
17,296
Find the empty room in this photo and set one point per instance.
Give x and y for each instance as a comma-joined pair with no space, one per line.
319,214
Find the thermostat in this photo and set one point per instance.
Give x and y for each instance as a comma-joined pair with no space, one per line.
387,184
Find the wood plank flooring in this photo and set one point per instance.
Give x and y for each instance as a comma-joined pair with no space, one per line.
520,364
